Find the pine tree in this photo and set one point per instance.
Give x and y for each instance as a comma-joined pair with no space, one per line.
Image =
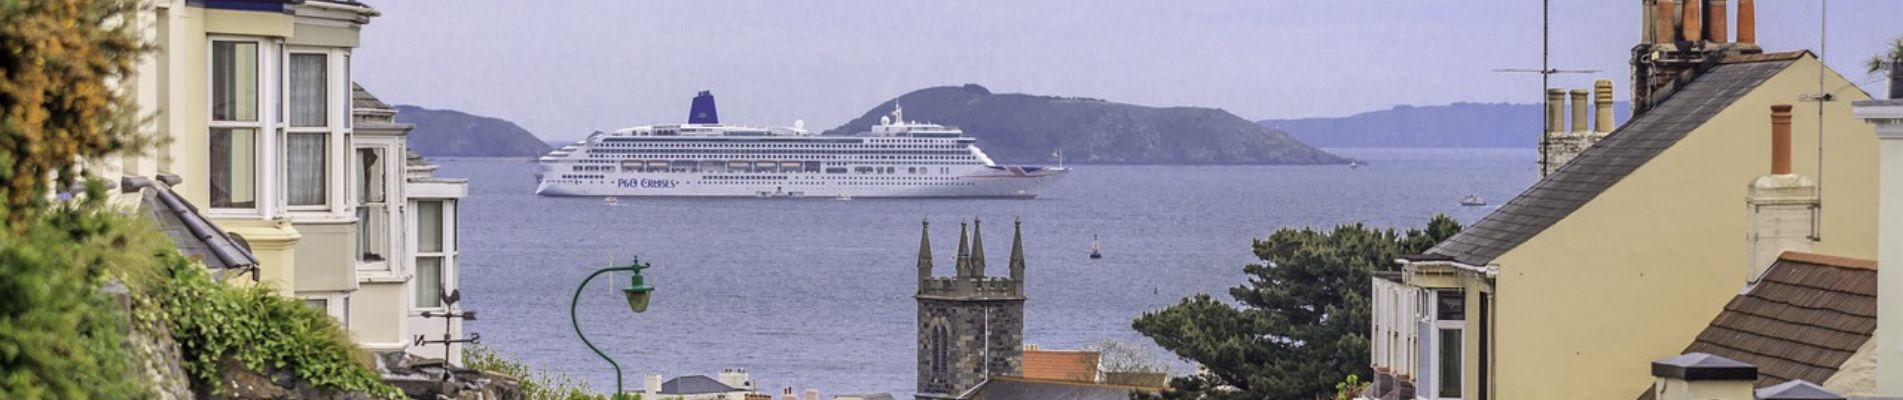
1298,326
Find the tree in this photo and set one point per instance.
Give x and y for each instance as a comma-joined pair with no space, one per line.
1894,53
1122,356
1298,326
59,62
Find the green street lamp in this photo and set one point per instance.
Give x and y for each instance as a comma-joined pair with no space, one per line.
637,293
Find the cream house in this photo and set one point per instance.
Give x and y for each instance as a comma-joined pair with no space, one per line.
1621,256
253,100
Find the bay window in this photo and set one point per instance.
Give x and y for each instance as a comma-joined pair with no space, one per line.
235,124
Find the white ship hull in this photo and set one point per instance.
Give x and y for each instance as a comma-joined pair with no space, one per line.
1000,184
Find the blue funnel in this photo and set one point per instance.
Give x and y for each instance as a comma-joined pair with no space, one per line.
703,111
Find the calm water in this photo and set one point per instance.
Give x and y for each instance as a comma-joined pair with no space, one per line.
817,293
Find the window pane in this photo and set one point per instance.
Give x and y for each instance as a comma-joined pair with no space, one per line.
429,282
234,167
429,226
370,233
1449,363
308,90
370,175
304,166
234,81
319,304
1451,305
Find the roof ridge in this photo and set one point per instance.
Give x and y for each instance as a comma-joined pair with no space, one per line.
1828,260
1766,57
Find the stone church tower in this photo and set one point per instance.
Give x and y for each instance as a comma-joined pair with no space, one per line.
970,326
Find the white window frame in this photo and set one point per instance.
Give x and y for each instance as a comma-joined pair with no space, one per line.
394,263
447,252
337,305
336,125
265,160
1460,329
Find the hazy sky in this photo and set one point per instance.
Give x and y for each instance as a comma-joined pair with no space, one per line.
565,68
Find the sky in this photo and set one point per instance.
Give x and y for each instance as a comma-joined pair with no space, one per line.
565,68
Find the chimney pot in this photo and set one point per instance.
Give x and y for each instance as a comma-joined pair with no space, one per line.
1580,111
1555,110
1747,22
1781,139
1715,16
1662,23
1694,30
1602,106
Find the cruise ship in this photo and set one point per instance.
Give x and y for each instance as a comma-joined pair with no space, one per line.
704,158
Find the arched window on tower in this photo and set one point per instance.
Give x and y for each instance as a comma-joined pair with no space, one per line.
941,354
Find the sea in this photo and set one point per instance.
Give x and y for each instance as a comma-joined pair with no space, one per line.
817,293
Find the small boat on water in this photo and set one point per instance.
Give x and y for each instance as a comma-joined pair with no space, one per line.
1095,249
1472,201
1354,164
611,201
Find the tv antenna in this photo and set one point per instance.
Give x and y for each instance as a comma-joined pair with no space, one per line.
1546,72
1821,97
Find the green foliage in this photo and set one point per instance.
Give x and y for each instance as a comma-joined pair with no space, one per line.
536,385
60,336
259,329
1349,389
58,62
1895,52
1303,318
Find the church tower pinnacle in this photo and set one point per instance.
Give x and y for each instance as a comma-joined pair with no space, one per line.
924,250
1017,250
977,248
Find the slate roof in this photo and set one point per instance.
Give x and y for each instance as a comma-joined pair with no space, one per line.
1016,388
1805,318
1600,166
194,235
694,384
362,99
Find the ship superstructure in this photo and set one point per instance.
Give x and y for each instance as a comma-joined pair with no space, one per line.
704,158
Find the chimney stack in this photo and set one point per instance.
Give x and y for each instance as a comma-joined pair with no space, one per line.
1887,116
1747,22
787,394
1581,112
1662,22
1715,16
1602,106
1780,204
653,387
1692,24
1896,78
1555,110
812,394
1700,376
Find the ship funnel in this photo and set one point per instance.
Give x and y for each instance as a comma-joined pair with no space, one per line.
703,111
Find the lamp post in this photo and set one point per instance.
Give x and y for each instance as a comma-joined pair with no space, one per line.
637,293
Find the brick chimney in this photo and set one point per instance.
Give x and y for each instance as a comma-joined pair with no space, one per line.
1700,376
1747,22
1716,22
1602,108
1780,204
